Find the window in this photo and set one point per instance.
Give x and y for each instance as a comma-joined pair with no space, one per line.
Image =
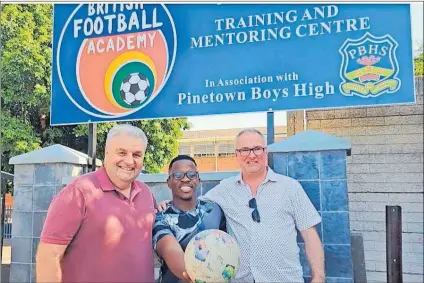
204,150
184,149
226,149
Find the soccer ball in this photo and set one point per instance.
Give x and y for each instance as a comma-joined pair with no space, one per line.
212,256
134,89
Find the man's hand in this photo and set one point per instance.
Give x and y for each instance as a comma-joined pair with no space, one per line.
162,206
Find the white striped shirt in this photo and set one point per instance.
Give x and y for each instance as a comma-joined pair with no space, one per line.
269,250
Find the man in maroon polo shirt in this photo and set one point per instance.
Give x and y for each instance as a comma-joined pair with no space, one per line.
99,227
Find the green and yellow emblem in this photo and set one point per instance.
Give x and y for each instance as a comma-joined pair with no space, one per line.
369,66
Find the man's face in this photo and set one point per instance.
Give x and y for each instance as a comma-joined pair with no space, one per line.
124,159
184,188
249,161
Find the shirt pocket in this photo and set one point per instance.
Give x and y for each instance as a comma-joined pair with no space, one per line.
275,209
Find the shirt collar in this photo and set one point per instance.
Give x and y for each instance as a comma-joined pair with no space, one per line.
177,210
107,185
270,176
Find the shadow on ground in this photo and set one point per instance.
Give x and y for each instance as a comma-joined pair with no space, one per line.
5,271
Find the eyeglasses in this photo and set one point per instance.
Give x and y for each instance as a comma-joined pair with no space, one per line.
245,151
255,213
180,175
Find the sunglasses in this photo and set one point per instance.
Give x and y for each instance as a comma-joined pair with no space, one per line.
255,213
180,175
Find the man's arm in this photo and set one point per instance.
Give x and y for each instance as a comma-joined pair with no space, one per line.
170,250
48,262
64,218
223,223
306,218
314,253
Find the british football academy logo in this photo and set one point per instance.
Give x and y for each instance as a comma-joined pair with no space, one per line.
121,57
369,66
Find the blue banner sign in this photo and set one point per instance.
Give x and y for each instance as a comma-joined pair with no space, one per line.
115,62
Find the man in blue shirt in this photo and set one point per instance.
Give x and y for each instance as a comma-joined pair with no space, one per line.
183,218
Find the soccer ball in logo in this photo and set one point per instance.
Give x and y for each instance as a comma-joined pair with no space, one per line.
134,89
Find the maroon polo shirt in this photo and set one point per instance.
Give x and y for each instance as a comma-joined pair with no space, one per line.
109,237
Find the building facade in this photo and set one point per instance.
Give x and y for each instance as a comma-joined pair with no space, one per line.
214,150
385,168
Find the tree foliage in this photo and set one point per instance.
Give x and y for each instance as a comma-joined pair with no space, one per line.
26,54
419,62
25,32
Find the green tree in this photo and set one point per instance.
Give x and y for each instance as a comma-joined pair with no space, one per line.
26,52
25,32
419,62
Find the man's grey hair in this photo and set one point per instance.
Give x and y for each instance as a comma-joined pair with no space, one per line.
128,130
250,130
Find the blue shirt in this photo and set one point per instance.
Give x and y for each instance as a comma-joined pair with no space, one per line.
184,225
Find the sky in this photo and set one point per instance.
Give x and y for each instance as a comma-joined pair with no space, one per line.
259,119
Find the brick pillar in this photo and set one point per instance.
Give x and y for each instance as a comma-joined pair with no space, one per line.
318,162
38,177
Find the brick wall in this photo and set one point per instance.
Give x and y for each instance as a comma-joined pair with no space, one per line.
386,168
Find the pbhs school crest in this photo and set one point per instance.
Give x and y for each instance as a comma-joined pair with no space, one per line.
369,66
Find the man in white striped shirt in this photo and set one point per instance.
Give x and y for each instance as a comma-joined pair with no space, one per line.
263,210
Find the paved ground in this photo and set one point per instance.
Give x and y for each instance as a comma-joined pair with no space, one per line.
5,266
5,271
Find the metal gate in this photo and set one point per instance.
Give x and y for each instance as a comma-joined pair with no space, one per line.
7,224
6,211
